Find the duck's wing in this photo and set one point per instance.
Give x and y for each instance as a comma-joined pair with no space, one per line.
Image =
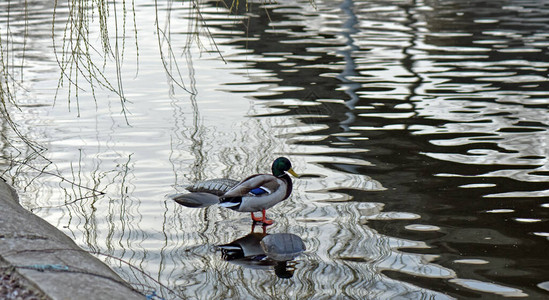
255,185
218,186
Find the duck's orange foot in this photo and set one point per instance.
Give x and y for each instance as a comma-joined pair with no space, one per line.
256,219
267,221
263,219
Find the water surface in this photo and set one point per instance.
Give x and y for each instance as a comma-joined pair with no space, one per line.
420,126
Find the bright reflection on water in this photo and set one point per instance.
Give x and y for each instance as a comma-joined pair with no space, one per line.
420,126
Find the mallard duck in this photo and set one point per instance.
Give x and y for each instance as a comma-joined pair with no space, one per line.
253,194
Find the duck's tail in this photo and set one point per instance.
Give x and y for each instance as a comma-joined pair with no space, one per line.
204,193
195,199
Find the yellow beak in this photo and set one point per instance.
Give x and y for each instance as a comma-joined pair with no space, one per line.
293,173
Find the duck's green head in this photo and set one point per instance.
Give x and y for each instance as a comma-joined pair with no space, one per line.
282,165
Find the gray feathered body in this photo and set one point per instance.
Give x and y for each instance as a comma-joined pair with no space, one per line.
243,197
255,193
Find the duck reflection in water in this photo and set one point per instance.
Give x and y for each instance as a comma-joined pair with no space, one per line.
265,251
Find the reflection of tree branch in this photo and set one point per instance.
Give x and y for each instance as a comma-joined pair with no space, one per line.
63,179
163,36
7,94
76,50
201,18
36,148
181,84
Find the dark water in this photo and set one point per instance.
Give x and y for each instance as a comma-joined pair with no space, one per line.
449,100
421,129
